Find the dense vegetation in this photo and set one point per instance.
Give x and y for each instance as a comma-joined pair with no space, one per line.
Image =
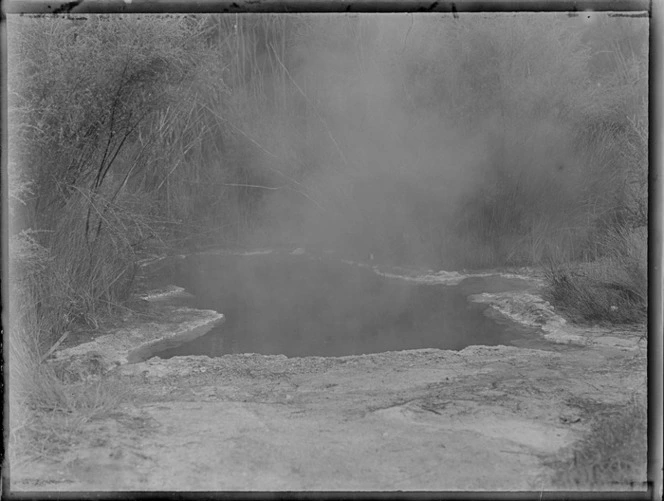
425,140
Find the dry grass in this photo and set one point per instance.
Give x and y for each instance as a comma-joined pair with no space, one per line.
45,412
610,289
612,456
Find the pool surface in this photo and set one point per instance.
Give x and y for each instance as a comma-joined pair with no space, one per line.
303,306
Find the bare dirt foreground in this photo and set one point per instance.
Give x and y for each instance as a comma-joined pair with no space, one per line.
484,418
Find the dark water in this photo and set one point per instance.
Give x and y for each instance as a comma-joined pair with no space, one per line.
300,306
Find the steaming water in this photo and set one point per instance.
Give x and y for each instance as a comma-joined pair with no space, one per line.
303,306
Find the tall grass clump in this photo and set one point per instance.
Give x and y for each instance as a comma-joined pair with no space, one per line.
612,287
79,141
41,406
81,137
